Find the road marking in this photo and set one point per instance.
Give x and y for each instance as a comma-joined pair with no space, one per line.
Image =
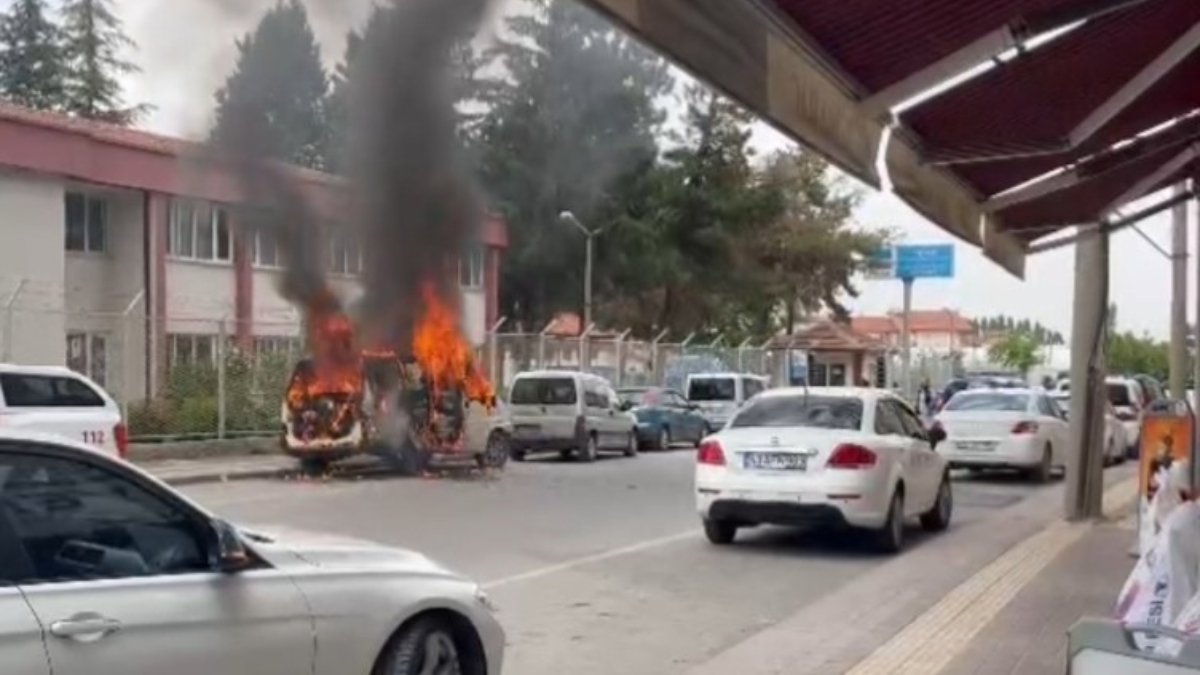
589,559
934,639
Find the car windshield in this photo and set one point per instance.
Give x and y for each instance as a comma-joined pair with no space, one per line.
543,391
989,401
1118,394
712,389
822,412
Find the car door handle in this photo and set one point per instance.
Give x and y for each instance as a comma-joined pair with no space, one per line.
85,627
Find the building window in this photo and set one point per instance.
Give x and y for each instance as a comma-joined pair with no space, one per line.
198,231
345,257
87,354
266,249
470,268
86,222
191,350
269,346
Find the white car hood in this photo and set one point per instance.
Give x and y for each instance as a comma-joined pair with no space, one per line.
289,548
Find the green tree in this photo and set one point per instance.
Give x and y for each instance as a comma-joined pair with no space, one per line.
1129,354
93,38
572,113
32,63
276,96
1018,351
809,253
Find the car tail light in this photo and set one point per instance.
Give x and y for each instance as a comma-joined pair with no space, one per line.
851,456
1025,427
121,435
711,453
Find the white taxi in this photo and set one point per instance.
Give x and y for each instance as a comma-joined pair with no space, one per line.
825,457
56,400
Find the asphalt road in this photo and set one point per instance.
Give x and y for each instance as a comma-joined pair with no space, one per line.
601,566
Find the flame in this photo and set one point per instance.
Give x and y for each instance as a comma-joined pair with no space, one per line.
443,353
336,367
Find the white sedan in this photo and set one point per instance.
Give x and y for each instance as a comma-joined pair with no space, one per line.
826,457
1005,428
1114,430
108,571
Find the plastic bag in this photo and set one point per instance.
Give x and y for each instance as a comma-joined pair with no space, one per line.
1167,576
1169,482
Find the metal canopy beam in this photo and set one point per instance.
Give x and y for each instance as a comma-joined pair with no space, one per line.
1109,227
1136,86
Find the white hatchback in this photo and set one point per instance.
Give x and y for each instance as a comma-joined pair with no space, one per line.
56,400
825,457
1005,428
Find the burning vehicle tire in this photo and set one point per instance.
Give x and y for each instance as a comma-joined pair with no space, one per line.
496,452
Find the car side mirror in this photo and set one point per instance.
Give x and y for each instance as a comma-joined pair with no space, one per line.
936,435
232,556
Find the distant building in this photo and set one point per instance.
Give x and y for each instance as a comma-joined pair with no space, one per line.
122,254
937,331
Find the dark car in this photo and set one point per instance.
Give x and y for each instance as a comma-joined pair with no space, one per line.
664,416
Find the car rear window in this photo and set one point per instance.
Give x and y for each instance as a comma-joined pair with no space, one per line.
990,401
543,391
646,397
822,412
1118,394
712,389
47,391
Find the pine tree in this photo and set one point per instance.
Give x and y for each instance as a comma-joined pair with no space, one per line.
93,40
274,102
32,64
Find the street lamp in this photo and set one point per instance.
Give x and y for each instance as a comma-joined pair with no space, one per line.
570,219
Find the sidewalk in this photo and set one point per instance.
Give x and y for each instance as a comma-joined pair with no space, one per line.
1029,635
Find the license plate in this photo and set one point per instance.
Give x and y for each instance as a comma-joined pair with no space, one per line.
976,446
775,461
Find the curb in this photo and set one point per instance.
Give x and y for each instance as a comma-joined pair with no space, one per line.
223,477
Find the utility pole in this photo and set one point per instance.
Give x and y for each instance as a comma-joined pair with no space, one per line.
590,235
906,341
1179,352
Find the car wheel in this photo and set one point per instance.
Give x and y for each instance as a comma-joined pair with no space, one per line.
937,518
664,439
631,446
427,647
890,537
495,453
1041,472
720,532
588,452
314,466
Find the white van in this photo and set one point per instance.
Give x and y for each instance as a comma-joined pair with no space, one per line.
56,400
575,414
720,395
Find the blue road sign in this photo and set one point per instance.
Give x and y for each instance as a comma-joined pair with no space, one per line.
925,261
882,264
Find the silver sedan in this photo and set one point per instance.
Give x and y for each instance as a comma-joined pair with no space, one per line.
104,570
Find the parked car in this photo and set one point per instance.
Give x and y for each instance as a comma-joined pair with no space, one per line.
1152,389
1005,428
56,400
664,416
1114,432
831,456
720,395
107,570
1126,395
575,414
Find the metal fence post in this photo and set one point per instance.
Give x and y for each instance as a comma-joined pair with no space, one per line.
683,346
656,368
584,352
621,356
741,352
494,351
125,360
221,335
542,345
8,319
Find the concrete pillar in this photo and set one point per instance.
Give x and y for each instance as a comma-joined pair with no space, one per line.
1179,354
1085,460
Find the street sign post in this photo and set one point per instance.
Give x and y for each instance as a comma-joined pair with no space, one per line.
908,262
